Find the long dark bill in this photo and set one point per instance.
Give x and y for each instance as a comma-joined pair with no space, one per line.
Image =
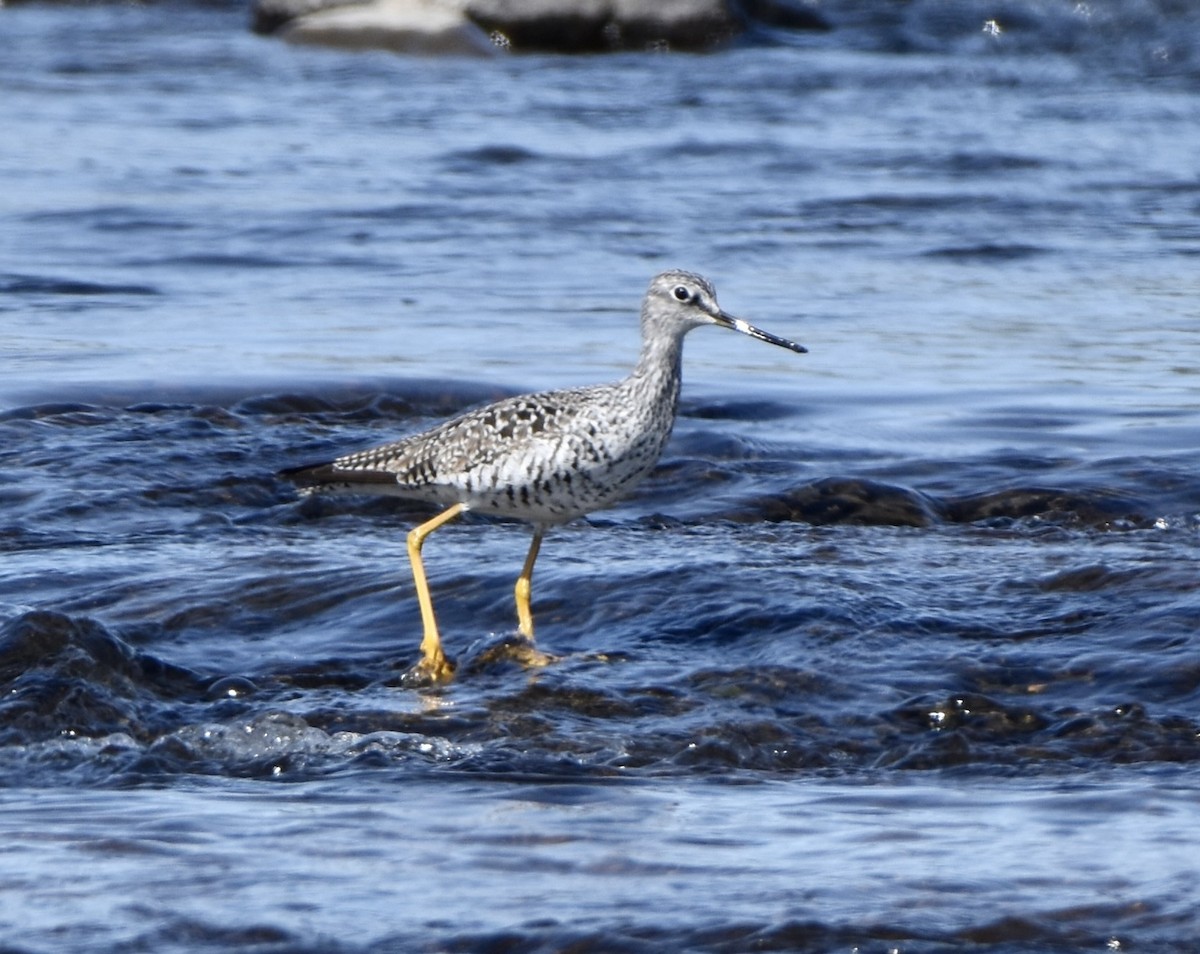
726,320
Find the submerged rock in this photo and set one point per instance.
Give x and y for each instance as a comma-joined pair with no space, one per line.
839,500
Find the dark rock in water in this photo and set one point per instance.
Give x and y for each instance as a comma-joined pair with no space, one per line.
842,500
67,675
1093,507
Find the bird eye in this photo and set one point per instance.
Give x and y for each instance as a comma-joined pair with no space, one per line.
681,293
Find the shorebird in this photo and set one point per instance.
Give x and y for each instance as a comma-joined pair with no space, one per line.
542,458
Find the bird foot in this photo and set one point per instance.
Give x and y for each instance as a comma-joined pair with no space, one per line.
513,649
435,670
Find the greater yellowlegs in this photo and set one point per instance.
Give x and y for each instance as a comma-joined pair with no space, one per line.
542,458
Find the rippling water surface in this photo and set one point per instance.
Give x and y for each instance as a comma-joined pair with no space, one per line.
896,651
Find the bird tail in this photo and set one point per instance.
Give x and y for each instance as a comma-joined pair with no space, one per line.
328,478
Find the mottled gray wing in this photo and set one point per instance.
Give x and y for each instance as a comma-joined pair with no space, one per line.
445,454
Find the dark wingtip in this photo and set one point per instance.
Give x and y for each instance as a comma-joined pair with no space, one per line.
307,475
317,477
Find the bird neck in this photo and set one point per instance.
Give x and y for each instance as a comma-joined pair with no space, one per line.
659,369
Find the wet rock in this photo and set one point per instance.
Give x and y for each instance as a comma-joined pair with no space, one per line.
1092,507
401,26
838,500
68,677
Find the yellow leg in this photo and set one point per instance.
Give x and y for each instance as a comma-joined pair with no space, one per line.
525,587
434,664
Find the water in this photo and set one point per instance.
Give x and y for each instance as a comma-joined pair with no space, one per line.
896,651
495,866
